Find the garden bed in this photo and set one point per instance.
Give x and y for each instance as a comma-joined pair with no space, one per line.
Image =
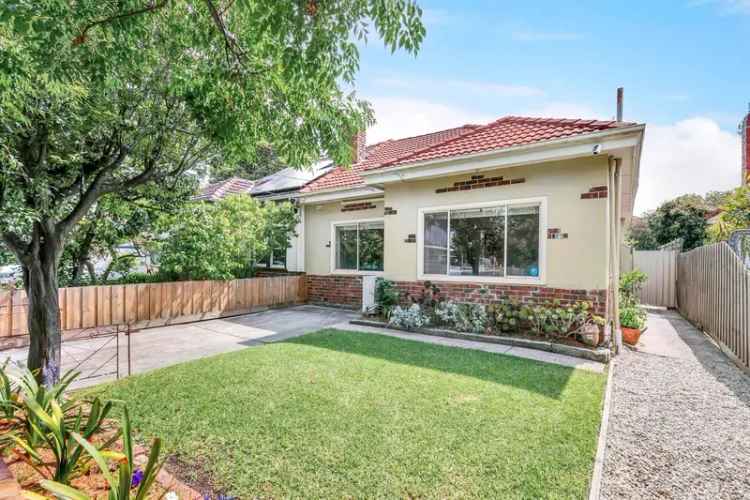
562,346
92,482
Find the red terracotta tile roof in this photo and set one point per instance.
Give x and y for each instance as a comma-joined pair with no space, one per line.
218,190
470,139
383,152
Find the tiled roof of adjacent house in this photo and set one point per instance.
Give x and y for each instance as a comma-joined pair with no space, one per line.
470,139
218,190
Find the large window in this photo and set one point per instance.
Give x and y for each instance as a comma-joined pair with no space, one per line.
492,241
358,246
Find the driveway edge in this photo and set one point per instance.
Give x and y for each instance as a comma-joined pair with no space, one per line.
601,447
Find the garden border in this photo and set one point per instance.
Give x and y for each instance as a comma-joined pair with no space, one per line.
602,355
595,488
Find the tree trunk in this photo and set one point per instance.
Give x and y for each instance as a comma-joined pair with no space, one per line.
40,282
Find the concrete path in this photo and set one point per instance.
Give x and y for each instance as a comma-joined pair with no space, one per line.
679,425
164,346
521,352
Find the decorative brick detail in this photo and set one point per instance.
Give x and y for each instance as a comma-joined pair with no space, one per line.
389,211
338,290
530,294
595,193
554,233
412,238
479,182
351,207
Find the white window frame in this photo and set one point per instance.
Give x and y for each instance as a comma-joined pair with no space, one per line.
528,280
334,270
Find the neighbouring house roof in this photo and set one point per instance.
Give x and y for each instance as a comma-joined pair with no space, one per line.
290,179
218,190
501,134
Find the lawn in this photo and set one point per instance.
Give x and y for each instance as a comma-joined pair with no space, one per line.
338,414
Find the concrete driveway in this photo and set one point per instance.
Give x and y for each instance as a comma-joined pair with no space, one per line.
163,346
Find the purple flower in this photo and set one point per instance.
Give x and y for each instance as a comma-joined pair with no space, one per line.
137,478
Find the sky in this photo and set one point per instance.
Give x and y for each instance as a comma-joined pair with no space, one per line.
684,65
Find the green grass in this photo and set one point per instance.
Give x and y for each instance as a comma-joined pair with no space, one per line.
339,414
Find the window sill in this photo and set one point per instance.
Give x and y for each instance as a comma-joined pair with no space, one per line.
357,273
482,279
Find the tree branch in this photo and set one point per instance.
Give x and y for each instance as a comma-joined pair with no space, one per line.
150,8
92,194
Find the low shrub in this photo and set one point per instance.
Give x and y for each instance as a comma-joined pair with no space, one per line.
633,316
408,317
387,297
505,315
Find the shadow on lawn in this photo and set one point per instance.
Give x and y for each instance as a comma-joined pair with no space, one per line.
533,376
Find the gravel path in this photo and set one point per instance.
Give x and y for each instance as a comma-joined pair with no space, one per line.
680,423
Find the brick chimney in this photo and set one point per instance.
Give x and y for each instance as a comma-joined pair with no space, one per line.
359,144
745,133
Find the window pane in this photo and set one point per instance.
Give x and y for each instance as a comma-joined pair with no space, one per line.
371,246
346,247
523,241
278,258
478,242
436,243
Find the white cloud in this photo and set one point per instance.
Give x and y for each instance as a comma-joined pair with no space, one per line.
540,36
399,117
690,156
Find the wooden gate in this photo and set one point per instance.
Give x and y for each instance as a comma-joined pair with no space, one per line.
661,269
714,293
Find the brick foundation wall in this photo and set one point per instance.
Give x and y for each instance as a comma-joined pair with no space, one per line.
346,291
339,290
470,292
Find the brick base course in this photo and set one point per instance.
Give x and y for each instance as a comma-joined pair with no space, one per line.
531,294
347,291
337,290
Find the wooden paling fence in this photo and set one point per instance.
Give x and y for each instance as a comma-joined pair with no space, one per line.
660,267
713,291
154,304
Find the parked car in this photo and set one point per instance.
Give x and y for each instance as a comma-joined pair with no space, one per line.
9,274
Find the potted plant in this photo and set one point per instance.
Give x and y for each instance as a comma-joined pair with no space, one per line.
632,321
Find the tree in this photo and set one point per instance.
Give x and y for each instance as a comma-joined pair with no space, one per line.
202,240
735,214
265,162
102,98
116,220
683,217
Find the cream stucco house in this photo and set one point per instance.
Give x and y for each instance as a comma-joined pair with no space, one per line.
526,207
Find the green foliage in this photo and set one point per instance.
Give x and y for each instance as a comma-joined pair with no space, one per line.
735,214
632,316
683,217
120,482
116,220
409,318
8,394
505,315
222,240
630,285
44,418
387,296
263,163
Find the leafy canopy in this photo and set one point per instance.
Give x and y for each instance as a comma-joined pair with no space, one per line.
102,97
735,214
683,217
223,240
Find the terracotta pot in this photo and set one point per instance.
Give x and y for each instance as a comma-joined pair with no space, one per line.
630,335
590,335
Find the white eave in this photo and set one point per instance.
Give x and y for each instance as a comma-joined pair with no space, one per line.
340,194
609,141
